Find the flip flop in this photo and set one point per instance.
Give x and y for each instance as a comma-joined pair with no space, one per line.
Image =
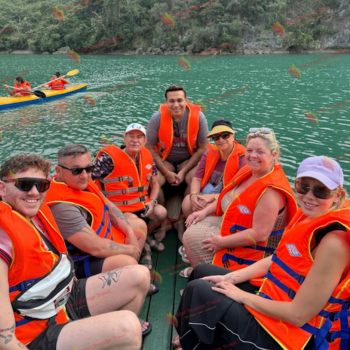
182,251
155,246
147,330
152,291
184,273
146,262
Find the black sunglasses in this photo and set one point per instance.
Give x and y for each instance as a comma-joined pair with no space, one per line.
25,184
224,136
318,191
78,171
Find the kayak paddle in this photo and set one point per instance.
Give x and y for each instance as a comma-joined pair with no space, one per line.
39,94
69,74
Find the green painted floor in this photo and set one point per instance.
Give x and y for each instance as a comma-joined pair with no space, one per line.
168,264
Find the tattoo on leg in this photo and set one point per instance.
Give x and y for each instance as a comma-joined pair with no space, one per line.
7,338
11,329
116,246
111,276
20,345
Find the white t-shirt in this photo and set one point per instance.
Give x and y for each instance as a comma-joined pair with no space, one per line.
6,252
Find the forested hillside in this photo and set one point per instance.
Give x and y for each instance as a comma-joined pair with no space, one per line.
173,26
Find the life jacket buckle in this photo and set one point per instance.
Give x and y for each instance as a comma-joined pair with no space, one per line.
124,191
329,337
143,198
301,279
291,293
240,261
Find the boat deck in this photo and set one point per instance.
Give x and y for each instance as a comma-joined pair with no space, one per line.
168,264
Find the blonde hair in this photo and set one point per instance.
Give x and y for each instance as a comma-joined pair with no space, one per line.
270,141
338,205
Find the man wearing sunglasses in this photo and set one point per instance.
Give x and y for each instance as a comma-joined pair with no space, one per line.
39,294
99,237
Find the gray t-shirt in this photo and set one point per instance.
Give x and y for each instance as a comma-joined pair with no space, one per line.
179,151
70,218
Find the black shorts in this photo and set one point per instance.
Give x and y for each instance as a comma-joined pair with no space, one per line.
138,214
76,308
89,268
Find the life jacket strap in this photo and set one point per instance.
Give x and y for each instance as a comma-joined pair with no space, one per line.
117,179
126,190
226,257
23,285
299,278
140,199
289,291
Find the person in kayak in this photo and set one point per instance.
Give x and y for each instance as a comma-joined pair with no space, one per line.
57,83
20,87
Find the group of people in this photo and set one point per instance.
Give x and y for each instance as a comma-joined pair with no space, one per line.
72,245
23,88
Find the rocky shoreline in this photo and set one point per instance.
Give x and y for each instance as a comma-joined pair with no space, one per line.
181,52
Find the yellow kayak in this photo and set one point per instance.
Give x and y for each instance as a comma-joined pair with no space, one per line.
12,102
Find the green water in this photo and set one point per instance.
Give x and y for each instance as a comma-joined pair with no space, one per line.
274,99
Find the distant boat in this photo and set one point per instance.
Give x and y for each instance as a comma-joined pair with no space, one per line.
14,102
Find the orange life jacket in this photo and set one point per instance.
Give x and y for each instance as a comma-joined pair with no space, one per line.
31,261
288,270
91,200
57,84
166,132
231,166
239,216
126,186
18,90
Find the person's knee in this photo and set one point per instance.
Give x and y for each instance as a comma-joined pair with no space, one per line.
199,271
128,260
140,277
131,328
160,213
186,204
198,284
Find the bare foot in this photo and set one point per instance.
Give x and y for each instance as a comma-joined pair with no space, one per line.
160,235
176,342
144,324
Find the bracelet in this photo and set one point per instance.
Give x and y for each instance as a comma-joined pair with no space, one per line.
193,194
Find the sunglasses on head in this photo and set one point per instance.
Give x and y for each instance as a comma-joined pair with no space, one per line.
25,184
260,130
224,136
320,192
78,171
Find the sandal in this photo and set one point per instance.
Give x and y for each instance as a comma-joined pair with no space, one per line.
184,273
152,291
147,330
182,251
155,245
146,262
185,259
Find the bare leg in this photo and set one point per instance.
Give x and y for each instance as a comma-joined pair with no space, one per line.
114,330
187,206
120,330
159,215
180,227
117,261
139,227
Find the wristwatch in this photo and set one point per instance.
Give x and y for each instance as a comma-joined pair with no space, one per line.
155,201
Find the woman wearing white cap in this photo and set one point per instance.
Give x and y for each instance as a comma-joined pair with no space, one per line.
306,290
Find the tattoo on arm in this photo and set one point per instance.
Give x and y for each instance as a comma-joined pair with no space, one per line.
86,229
20,345
8,337
116,246
115,214
111,276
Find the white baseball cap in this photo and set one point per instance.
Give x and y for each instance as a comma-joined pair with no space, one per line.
135,126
